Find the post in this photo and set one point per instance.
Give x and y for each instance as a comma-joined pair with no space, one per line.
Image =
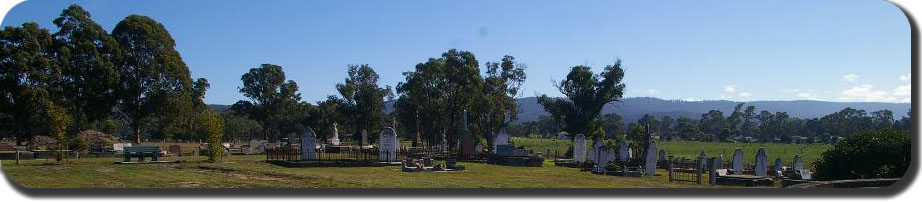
17,158
712,172
669,167
700,171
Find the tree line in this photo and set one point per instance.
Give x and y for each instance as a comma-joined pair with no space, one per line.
743,124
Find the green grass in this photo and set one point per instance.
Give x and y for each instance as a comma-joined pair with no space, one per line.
252,172
809,152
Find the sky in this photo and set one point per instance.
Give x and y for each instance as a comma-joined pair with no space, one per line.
828,50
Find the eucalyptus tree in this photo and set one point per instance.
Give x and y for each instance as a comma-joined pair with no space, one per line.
496,105
586,94
29,83
270,98
153,75
86,54
363,100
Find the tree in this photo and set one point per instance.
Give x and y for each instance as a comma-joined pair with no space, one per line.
586,95
29,81
687,129
270,98
239,126
713,123
613,125
667,128
212,125
330,111
437,92
86,53
884,154
650,121
363,99
496,106
882,119
151,71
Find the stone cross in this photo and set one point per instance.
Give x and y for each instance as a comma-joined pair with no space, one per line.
737,162
761,168
387,145
308,145
579,149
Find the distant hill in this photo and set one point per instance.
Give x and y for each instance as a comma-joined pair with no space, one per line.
631,109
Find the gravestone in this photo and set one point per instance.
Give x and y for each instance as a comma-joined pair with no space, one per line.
591,153
387,145
624,152
605,155
467,139
650,163
308,145
597,151
335,140
444,145
364,138
737,162
702,160
501,139
778,164
761,168
257,146
478,149
720,162
662,156
579,149
798,163
176,149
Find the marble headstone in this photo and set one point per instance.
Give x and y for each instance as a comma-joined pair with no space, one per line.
737,162
761,167
501,139
308,145
387,145
798,163
778,164
605,156
650,163
579,149
335,140
624,152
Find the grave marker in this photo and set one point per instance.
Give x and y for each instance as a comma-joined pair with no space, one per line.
778,164
798,163
501,139
624,152
335,140
738,162
579,149
651,158
176,149
308,145
761,168
387,145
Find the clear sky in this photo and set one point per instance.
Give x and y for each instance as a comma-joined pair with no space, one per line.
830,50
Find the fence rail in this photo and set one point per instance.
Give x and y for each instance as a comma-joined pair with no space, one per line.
353,154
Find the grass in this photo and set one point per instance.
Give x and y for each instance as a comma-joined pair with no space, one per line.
252,172
809,152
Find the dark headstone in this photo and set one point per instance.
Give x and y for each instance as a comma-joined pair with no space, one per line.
176,149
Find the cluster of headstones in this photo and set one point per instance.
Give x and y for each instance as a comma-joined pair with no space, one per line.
761,164
602,155
387,145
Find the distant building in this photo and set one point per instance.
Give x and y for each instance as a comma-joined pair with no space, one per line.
563,136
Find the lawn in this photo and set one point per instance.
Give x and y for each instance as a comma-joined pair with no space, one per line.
252,172
809,152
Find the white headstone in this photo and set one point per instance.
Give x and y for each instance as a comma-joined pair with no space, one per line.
579,149
387,145
761,168
798,163
605,155
335,140
778,164
650,163
308,145
737,162
624,152
501,139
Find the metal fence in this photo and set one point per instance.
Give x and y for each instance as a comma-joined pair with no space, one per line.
354,154
684,170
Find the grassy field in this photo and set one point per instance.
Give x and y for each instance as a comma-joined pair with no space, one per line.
252,172
809,152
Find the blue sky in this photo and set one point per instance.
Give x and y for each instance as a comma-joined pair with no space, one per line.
686,50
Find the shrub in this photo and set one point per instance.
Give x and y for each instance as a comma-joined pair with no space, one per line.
212,126
881,154
78,144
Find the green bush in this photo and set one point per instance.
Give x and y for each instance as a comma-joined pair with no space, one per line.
882,154
78,144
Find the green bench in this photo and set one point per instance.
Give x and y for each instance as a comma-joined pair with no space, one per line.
141,152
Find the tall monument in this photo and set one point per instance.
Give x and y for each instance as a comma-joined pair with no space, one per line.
467,140
335,139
